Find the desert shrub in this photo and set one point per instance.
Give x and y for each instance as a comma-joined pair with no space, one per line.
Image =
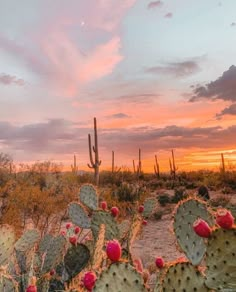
180,194
227,190
164,199
158,214
128,192
220,200
203,192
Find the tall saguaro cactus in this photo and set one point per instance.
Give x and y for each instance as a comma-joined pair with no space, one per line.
138,171
94,163
173,167
222,163
74,167
156,168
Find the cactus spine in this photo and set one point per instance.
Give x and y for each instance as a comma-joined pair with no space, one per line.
94,163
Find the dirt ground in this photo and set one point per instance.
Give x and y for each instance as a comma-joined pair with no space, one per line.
156,240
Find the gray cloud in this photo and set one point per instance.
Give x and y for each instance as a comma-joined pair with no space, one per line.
231,110
177,69
9,79
233,24
138,98
155,4
64,137
169,15
118,116
222,88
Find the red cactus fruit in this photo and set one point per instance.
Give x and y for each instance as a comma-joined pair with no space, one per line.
52,272
89,280
113,250
224,219
31,288
32,285
63,233
202,228
73,240
76,230
159,262
144,222
114,211
68,225
141,209
104,205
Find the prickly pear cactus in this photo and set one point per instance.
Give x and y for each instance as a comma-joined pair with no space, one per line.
44,243
78,215
7,240
76,259
150,205
120,277
54,254
186,213
221,260
135,228
124,228
7,284
27,240
103,217
181,277
98,252
88,196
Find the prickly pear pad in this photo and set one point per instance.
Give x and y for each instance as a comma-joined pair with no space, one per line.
76,259
98,254
27,240
134,230
186,213
78,215
8,284
103,217
88,196
221,260
182,277
150,205
54,253
7,240
124,228
120,277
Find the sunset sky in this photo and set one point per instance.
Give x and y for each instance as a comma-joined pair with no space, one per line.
158,75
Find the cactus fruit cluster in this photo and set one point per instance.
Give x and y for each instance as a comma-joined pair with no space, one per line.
94,252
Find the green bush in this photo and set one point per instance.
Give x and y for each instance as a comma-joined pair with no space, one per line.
164,199
180,194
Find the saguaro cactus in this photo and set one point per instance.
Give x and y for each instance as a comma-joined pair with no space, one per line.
114,169
156,168
74,167
173,167
138,170
94,163
222,163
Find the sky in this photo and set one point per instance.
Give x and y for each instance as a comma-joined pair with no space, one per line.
157,75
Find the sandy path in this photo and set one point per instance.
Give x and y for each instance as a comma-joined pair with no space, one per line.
157,240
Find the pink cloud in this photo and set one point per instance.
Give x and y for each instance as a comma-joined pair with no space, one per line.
69,68
155,4
107,14
169,15
9,79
